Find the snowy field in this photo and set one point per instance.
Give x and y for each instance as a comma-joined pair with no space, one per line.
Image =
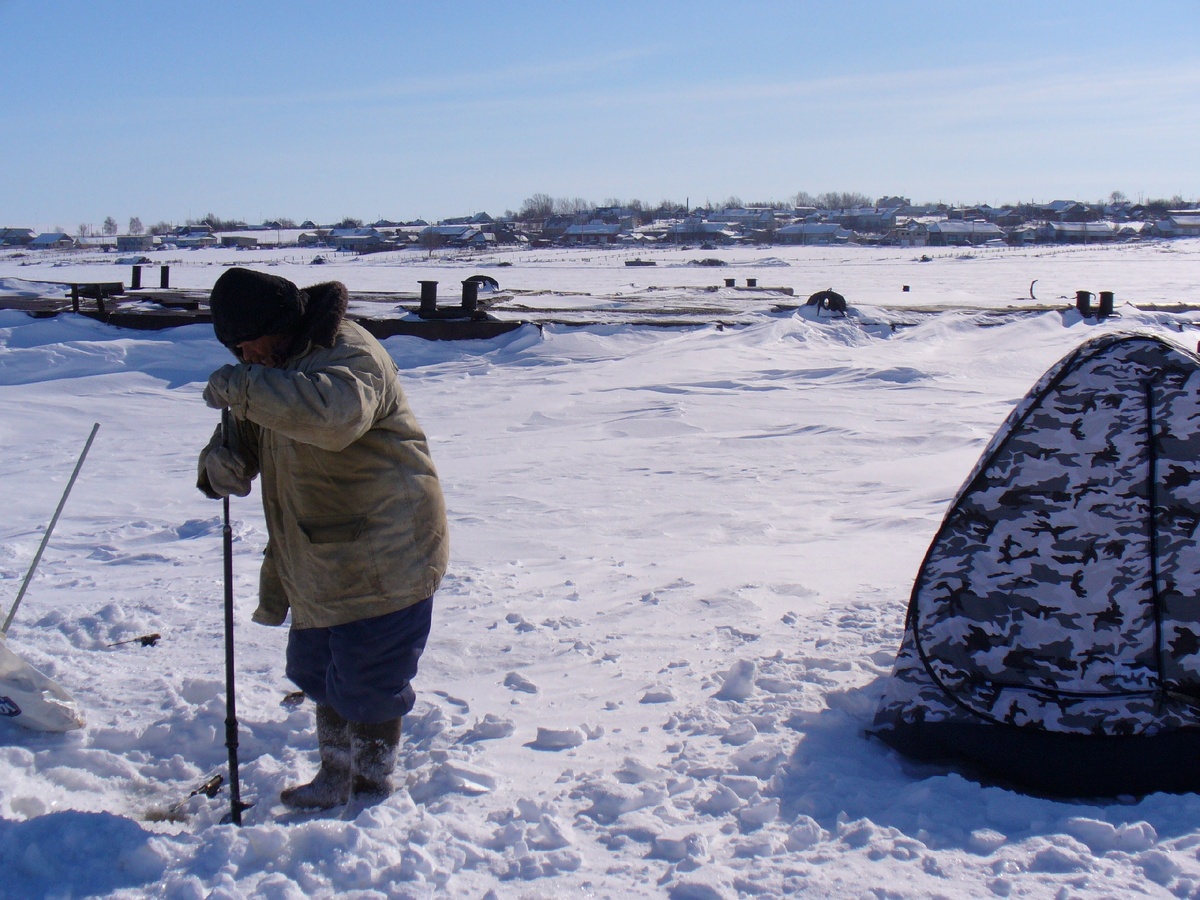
680,565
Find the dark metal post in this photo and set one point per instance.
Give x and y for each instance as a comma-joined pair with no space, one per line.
1083,302
470,295
231,726
137,278
428,298
164,276
1106,304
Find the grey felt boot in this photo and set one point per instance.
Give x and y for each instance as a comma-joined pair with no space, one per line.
331,786
373,752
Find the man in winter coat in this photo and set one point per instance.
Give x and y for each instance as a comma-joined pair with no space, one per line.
356,523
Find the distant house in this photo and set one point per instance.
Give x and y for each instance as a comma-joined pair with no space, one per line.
556,226
1069,211
1023,235
134,243
446,235
756,217
405,235
240,241
1007,217
698,231
195,239
1117,212
507,233
52,240
813,233
1077,232
910,233
963,234
477,219
15,237
592,233
358,240
481,240
1180,224
312,238
866,218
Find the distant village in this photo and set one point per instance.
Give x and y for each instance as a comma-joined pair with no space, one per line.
891,221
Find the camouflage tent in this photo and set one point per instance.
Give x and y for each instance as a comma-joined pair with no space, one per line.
1053,633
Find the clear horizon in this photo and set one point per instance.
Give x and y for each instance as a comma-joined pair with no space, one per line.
404,111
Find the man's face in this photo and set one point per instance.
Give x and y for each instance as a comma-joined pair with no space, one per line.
267,350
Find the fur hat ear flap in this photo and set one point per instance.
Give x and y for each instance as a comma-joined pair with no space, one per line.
247,305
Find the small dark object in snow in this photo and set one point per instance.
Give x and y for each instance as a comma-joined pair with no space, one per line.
146,640
292,700
485,282
709,261
830,300
209,788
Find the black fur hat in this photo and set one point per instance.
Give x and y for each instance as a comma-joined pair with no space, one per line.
246,305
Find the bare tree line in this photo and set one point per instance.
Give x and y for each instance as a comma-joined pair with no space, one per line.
542,206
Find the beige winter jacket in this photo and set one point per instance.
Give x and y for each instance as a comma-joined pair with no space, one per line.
356,522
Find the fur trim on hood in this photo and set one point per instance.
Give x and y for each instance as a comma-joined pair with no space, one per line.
326,308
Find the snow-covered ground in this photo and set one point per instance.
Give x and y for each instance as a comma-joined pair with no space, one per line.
680,565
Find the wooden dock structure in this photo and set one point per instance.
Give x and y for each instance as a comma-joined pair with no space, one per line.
153,309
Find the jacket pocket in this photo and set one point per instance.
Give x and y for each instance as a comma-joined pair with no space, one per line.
338,562
333,529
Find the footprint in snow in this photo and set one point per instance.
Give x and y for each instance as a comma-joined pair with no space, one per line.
453,778
491,727
740,734
195,528
739,681
456,701
557,738
516,682
658,695
519,621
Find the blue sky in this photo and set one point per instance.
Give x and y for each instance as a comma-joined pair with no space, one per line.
255,110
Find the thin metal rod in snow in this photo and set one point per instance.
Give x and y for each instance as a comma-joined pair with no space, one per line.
231,725
49,528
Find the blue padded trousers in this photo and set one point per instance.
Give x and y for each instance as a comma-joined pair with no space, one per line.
362,669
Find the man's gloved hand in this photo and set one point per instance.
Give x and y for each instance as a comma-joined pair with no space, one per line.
228,474
222,472
216,392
